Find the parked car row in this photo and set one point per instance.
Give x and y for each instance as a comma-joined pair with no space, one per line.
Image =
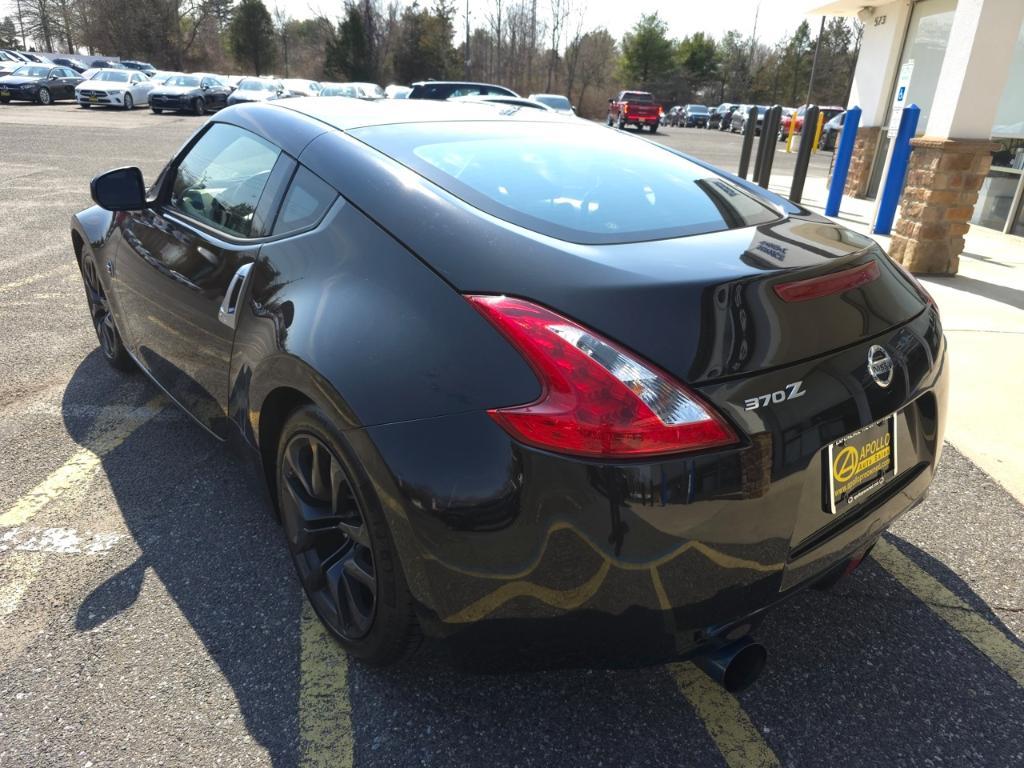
202,92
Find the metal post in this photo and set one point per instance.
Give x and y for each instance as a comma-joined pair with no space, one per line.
768,131
759,155
841,160
893,188
803,155
817,132
814,65
748,142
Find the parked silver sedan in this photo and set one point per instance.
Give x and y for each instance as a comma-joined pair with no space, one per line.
114,88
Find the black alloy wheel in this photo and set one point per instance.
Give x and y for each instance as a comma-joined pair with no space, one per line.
102,320
44,97
328,536
340,542
199,106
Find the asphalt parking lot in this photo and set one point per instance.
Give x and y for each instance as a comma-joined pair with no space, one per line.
149,614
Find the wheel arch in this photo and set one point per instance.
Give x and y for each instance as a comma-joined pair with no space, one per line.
277,406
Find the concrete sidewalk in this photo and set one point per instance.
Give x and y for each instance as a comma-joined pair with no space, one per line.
983,317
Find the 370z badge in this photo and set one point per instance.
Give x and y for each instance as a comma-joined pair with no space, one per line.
789,392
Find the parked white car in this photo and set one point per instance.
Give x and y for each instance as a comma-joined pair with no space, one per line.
558,103
114,88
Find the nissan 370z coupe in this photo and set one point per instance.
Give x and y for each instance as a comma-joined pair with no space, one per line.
513,377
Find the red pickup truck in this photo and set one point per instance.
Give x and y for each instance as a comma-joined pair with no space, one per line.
634,108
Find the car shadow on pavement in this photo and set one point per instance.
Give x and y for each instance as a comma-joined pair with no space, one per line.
1012,297
866,674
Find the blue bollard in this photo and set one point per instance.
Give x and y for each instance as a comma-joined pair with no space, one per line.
897,170
844,153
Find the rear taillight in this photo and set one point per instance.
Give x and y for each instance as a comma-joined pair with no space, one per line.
597,399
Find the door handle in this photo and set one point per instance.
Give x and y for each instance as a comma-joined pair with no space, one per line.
229,305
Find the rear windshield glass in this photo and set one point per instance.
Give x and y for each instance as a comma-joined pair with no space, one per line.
112,76
583,183
698,109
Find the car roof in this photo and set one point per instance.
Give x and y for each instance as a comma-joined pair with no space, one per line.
363,114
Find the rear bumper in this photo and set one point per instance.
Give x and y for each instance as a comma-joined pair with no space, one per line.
658,559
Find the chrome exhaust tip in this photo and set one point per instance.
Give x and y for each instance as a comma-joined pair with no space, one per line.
735,666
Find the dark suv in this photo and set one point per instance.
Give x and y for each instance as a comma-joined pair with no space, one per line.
695,116
141,66
447,89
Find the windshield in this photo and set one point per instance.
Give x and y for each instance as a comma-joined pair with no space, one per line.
31,72
698,109
112,75
186,81
257,85
580,184
555,102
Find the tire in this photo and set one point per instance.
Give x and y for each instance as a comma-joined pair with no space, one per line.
129,102
609,119
84,105
99,312
331,513
157,111
45,97
620,124
654,127
199,106
5,101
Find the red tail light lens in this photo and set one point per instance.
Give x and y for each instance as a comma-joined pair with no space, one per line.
827,285
597,399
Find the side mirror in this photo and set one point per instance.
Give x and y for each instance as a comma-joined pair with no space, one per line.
610,101
121,189
205,86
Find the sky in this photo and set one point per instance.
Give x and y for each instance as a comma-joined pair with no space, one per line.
777,18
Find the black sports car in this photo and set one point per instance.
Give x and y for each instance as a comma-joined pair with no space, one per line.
40,83
197,93
521,380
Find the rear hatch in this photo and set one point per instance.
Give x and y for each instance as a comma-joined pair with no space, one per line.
674,261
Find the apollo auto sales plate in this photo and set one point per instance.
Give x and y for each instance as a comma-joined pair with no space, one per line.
861,463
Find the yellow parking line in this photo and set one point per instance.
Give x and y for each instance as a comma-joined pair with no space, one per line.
32,278
12,590
1000,649
727,724
325,715
80,466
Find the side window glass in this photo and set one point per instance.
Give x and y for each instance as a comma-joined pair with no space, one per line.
220,180
305,203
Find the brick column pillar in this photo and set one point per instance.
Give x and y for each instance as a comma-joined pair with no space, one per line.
943,179
864,147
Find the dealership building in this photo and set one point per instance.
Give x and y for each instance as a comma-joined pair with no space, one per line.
962,63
